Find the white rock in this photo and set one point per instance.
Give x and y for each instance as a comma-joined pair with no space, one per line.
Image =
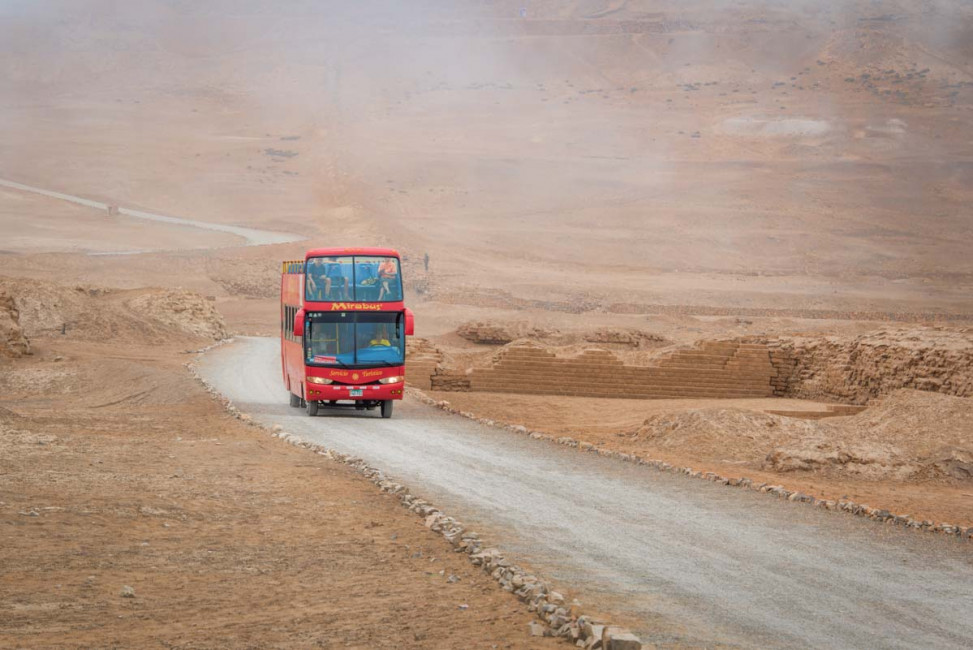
616,638
536,629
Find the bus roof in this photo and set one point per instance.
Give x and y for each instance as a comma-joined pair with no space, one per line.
337,252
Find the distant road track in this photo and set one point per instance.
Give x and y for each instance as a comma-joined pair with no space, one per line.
505,300
252,236
691,562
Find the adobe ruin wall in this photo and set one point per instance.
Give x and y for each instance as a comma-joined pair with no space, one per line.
831,369
868,366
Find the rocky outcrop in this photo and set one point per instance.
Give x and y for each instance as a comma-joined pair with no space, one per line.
500,333
13,343
246,277
624,338
182,311
99,314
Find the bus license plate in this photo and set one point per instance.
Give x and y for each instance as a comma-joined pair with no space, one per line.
355,392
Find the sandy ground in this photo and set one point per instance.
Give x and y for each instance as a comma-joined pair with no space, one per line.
228,537
734,446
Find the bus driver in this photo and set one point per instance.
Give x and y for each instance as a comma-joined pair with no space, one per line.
381,338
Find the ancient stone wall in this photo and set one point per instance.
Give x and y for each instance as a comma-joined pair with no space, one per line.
421,363
844,370
856,370
712,369
450,381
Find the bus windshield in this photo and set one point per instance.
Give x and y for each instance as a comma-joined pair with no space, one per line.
355,339
361,278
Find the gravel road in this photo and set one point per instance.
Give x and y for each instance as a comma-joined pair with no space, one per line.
684,561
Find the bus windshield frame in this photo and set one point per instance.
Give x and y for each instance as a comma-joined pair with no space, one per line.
356,278
355,339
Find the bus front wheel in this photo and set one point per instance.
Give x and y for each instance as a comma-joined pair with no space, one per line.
387,408
312,408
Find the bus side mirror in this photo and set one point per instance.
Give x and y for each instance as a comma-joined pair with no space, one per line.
410,322
299,323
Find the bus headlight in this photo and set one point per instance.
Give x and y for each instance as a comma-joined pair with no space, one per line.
319,380
390,380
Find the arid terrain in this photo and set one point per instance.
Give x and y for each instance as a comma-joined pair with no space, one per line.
632,176
119,471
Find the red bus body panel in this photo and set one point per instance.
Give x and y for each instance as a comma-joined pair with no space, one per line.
293,367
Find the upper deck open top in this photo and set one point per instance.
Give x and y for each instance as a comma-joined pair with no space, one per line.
347,279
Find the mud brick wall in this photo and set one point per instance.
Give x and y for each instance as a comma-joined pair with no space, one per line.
710,370
450,382
856,370
422,361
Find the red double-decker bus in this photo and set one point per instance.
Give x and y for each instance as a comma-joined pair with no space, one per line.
343,329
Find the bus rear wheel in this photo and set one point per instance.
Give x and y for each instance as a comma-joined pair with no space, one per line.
387,408
295,401
312,408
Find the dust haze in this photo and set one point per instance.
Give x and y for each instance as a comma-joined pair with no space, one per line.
748,153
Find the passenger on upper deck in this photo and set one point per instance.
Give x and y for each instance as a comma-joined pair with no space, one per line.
322,274
332,273
314,273
387,272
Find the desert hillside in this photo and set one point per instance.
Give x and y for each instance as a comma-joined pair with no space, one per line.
590,154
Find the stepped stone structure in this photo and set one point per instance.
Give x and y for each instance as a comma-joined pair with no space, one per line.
714,369
422,361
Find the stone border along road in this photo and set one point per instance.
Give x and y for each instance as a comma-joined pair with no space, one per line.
686,561
252,236
560,619
858,509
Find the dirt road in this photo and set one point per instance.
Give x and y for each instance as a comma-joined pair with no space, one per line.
690,562
252,236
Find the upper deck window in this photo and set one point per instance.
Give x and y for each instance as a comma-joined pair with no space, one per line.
353,277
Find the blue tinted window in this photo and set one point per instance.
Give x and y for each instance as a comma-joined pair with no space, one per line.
355,339
358,278
329,279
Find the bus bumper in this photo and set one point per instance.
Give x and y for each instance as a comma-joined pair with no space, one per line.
366,393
